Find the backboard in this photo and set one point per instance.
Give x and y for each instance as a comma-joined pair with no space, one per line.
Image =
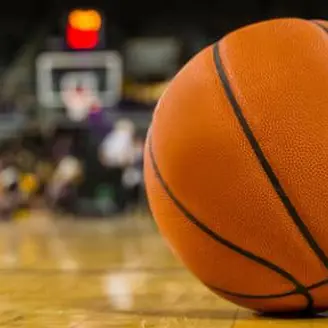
99,71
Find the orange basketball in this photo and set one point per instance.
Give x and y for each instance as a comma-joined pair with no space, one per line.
236,166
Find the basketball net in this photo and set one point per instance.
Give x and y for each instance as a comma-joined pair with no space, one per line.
78,103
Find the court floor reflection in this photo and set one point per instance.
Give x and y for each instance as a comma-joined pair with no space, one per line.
125,276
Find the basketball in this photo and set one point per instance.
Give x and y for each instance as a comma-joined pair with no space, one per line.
236,166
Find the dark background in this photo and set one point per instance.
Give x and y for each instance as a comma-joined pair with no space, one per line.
197,22
194,24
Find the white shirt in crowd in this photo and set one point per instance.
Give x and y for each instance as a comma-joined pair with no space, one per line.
68,168
8,176
117,149
66,171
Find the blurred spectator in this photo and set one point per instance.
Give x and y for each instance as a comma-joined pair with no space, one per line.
117,153
132,178
117,149
62,185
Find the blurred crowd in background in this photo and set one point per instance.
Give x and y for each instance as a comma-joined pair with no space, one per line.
79,83
73,172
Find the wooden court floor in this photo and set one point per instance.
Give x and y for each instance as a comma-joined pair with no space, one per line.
108,274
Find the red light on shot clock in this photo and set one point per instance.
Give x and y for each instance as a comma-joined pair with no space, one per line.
83,29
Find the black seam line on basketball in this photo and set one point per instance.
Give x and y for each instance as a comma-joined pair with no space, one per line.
322,27
250,296
318,284
301,289
268,296
264,162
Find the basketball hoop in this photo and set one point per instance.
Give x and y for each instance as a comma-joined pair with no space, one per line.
78,102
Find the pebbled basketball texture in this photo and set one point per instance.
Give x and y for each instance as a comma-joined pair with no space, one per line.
236,166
